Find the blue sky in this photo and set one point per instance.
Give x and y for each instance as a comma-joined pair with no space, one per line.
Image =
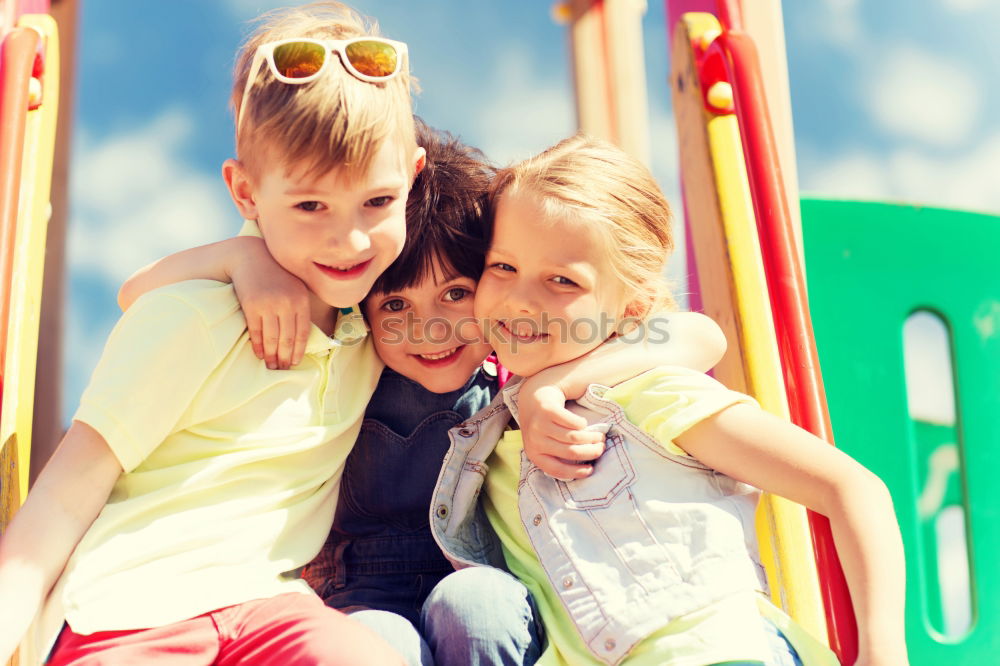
892,100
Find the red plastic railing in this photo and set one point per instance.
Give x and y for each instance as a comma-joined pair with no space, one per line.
17,60
789,303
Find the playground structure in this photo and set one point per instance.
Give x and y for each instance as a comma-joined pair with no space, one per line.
871,268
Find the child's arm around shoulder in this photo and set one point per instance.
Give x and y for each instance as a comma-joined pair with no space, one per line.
750,445
553,438
67,497
688,339
274,302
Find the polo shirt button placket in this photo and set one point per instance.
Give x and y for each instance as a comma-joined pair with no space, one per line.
328,385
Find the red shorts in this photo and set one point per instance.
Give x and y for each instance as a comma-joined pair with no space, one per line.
290,629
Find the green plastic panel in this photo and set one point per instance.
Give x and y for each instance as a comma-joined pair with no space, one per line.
870,266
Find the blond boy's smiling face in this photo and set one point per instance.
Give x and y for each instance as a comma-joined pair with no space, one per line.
337,232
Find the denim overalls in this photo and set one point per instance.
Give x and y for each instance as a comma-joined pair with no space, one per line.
380,553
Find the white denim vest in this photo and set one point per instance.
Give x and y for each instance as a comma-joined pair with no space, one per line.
648,537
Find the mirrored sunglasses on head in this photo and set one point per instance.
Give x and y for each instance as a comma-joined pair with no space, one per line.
301,60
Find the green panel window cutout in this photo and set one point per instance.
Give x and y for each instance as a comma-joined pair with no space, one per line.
905,304
943,544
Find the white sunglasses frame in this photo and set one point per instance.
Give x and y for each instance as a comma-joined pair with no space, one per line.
265,53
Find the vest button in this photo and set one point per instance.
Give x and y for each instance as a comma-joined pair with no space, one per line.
442,511
609,644
568,582
466,432
536,520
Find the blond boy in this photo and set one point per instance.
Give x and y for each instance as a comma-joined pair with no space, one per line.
193,480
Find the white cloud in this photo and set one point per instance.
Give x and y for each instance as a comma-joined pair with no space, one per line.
965,181
855,175
967,5
523,114
135,198
913,93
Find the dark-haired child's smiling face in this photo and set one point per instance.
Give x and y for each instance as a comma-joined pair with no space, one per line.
428,332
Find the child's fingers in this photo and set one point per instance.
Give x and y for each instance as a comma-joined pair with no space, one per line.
558,433
562,470
255,328
269,331
575,452
286,340
302,326
538,447
560,416
565,436
286,345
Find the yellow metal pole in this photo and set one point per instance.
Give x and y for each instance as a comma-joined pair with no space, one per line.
734,291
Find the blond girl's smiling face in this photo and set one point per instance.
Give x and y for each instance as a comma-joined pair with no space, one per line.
549,293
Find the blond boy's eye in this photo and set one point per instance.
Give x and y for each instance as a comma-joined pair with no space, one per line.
501,266
379,202
309,206
457,294
559,279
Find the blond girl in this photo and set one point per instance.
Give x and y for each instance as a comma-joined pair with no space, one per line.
639,549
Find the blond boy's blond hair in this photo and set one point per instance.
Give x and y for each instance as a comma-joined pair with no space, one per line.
597,183
335,120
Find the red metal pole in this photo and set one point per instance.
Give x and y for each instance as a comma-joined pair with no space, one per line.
790,306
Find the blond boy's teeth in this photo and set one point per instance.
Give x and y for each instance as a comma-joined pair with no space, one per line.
435,357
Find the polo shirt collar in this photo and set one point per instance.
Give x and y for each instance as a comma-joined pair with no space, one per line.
349,329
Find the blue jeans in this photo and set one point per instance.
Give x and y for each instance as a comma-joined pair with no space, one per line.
482,617
473,617
399,633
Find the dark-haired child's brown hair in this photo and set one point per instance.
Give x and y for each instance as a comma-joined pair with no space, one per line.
444,215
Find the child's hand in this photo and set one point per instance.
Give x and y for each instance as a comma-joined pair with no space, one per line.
554,437
276,306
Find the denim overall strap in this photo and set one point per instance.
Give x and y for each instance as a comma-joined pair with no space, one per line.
380,536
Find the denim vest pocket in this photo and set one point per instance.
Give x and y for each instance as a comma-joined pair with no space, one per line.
613,473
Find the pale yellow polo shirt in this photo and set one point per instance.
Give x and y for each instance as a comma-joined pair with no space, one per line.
231,470
664,403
